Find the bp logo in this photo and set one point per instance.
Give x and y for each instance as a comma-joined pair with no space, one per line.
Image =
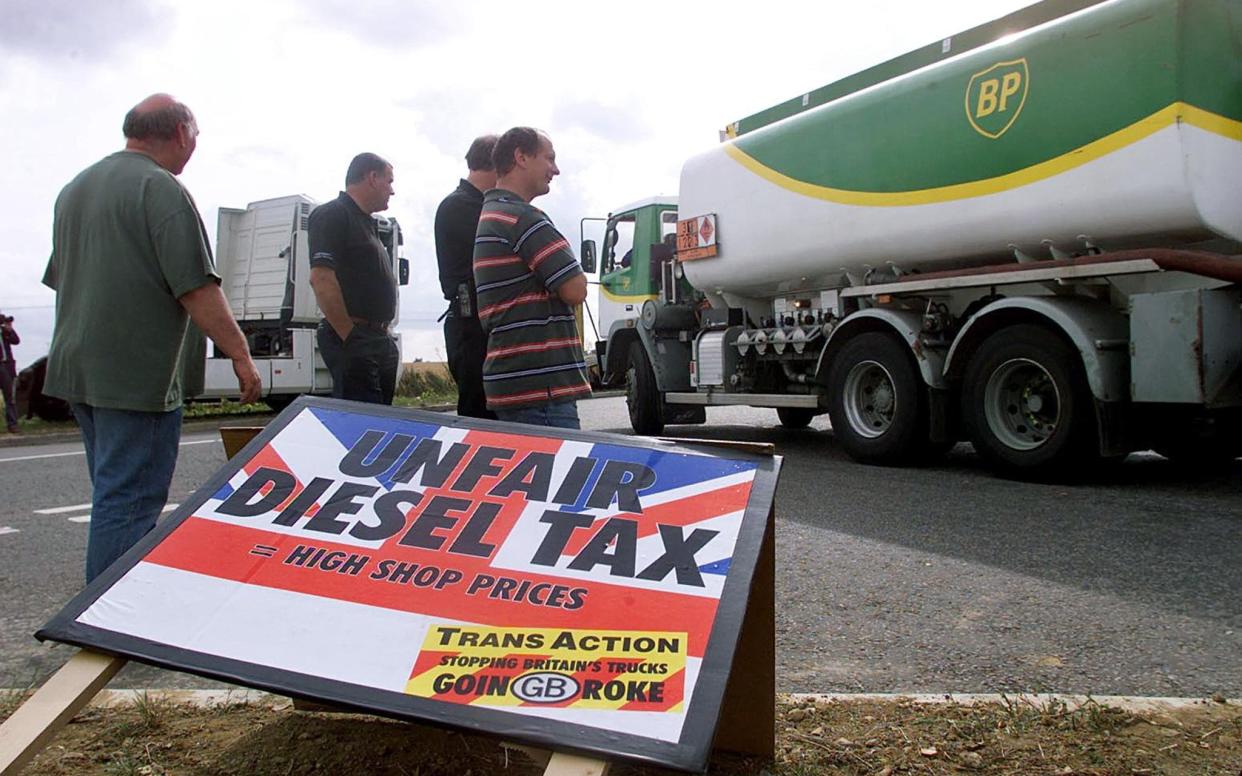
994,97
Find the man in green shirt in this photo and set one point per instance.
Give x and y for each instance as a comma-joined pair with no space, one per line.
130,266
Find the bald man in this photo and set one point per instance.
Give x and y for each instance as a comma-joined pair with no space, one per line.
131,266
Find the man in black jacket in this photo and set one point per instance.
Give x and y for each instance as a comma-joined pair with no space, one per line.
457,220
351,275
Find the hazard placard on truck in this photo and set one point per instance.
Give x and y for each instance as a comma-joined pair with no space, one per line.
696,237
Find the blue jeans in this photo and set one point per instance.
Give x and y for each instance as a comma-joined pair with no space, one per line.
130,456
561,414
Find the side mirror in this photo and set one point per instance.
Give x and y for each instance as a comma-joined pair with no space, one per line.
588,256
403,271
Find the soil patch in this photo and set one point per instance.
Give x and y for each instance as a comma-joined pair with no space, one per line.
153,737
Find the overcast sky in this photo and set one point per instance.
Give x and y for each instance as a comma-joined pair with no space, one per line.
286,92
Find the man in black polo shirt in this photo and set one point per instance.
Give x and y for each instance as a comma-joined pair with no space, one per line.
457,220
351,274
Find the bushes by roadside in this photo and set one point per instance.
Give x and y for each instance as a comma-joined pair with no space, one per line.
426,383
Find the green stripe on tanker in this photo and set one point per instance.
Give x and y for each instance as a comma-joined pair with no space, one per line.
1022,102
939,51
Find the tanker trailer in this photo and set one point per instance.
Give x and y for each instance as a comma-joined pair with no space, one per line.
1031,241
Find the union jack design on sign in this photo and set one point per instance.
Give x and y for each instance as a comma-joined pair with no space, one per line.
550,586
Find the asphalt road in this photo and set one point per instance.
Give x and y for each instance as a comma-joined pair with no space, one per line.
942,579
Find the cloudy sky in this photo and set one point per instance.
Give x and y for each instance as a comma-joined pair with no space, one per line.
286,92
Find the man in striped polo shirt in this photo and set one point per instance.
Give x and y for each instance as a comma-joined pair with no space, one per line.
528,284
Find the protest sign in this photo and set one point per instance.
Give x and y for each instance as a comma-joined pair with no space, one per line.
568,589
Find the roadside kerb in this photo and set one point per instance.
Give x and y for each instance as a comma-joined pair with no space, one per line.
71,434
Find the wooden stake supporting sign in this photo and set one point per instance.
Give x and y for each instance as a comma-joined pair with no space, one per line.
582,593
36,722
563,764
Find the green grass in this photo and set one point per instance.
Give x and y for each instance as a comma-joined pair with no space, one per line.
151,709
196,411
425,387
416,388
223,409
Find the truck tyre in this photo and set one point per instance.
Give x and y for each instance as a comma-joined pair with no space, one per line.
1026,404
642,397
795,417
877,401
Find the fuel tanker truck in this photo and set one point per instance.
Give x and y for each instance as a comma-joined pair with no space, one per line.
1028,236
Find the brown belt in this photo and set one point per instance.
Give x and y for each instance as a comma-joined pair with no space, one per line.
380,326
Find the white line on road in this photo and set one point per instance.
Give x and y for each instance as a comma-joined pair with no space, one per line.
61,510
6,530
87,518
83,452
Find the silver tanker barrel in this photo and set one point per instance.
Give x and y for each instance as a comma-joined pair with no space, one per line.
1120,125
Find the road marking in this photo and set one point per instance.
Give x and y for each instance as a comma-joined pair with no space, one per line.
6,530
87,518
61,510
83,452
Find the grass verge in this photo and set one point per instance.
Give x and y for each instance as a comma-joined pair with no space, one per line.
877,738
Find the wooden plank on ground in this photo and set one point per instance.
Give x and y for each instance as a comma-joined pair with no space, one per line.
563,764
754,448
237,437
39,719
748,711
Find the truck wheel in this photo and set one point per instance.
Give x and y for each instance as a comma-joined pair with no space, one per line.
877,401
642,397
795,417
1026,403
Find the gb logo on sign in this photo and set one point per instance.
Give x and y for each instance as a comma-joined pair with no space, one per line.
995,96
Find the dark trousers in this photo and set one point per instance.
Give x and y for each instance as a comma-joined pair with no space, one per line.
363,367
466,343
8,379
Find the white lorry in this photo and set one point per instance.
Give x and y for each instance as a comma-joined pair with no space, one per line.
263,257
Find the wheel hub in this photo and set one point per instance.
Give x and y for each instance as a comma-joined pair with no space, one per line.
870,399
1022,404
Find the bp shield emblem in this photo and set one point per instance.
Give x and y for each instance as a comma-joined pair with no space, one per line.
995,96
